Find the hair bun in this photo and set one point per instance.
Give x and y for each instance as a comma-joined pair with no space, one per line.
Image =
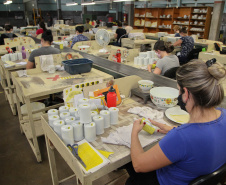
48,32
169,47
218,71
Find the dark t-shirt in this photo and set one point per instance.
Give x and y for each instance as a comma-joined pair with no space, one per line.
187,45
43,51
120,32
6,35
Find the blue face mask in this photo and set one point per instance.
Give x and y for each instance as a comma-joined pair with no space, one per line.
181,103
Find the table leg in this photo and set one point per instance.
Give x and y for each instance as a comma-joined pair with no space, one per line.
11,100
34,137
52,162
19,111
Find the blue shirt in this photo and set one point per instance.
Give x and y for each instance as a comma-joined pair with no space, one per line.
177,35
78,38
195,149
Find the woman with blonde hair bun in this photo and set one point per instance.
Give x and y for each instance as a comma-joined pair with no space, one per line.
176,29
193,149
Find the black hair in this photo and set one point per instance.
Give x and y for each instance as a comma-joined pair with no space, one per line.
98,22
183,30
125,24
47,36
164,46
79,29
87,20
43,26
119,24
8,27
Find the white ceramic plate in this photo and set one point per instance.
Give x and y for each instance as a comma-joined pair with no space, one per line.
176,114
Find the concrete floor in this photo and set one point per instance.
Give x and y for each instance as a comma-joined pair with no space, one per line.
18,165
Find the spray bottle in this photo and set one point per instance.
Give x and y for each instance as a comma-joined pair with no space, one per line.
111,97
23,52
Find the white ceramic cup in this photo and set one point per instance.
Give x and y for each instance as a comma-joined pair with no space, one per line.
19,56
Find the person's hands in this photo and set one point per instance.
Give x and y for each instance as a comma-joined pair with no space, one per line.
164,129
137,126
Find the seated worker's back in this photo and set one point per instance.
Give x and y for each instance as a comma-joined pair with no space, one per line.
8,34
79,30
46,49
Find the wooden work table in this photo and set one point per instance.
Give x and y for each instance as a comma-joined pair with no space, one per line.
7,86
120,157
38,86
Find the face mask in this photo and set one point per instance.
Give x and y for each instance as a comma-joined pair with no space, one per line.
181,103
158,55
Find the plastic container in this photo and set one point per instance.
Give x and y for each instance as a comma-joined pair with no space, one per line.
23,51
111,97
78,66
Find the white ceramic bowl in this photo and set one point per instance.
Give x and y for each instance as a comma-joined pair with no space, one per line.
83,48
164,97
145,85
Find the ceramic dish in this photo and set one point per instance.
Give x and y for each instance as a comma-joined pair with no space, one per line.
176,114
145,85
164,97
83,48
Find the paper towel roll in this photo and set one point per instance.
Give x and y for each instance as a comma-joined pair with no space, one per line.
67,134
69,120
90,131
136,60
99,121
114,115
83,100
52,112
63,109
107,118
53,118
85,113
146,61
64,115
78,128
93,113
57,126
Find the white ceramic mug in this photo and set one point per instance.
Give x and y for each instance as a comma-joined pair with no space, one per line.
19,56
7,57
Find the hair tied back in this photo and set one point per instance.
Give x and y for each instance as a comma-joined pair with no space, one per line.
209,63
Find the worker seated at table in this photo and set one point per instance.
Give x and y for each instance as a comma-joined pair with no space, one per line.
79,37
119,33
176,30
46,49
42,28
97,24
166,59
189,150
127,28
187,44
87,26
8,34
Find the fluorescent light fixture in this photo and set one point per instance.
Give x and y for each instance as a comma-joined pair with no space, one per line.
116,1
102,2
71,4
8,2
91,3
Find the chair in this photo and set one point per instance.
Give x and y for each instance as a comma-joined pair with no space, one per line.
119,43
171,73
211,179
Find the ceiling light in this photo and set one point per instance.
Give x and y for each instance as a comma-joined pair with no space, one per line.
8,2
91,3
102,2
71,4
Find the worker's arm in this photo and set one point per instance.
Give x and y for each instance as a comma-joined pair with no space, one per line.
150,160
157,71
177,43
30,65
